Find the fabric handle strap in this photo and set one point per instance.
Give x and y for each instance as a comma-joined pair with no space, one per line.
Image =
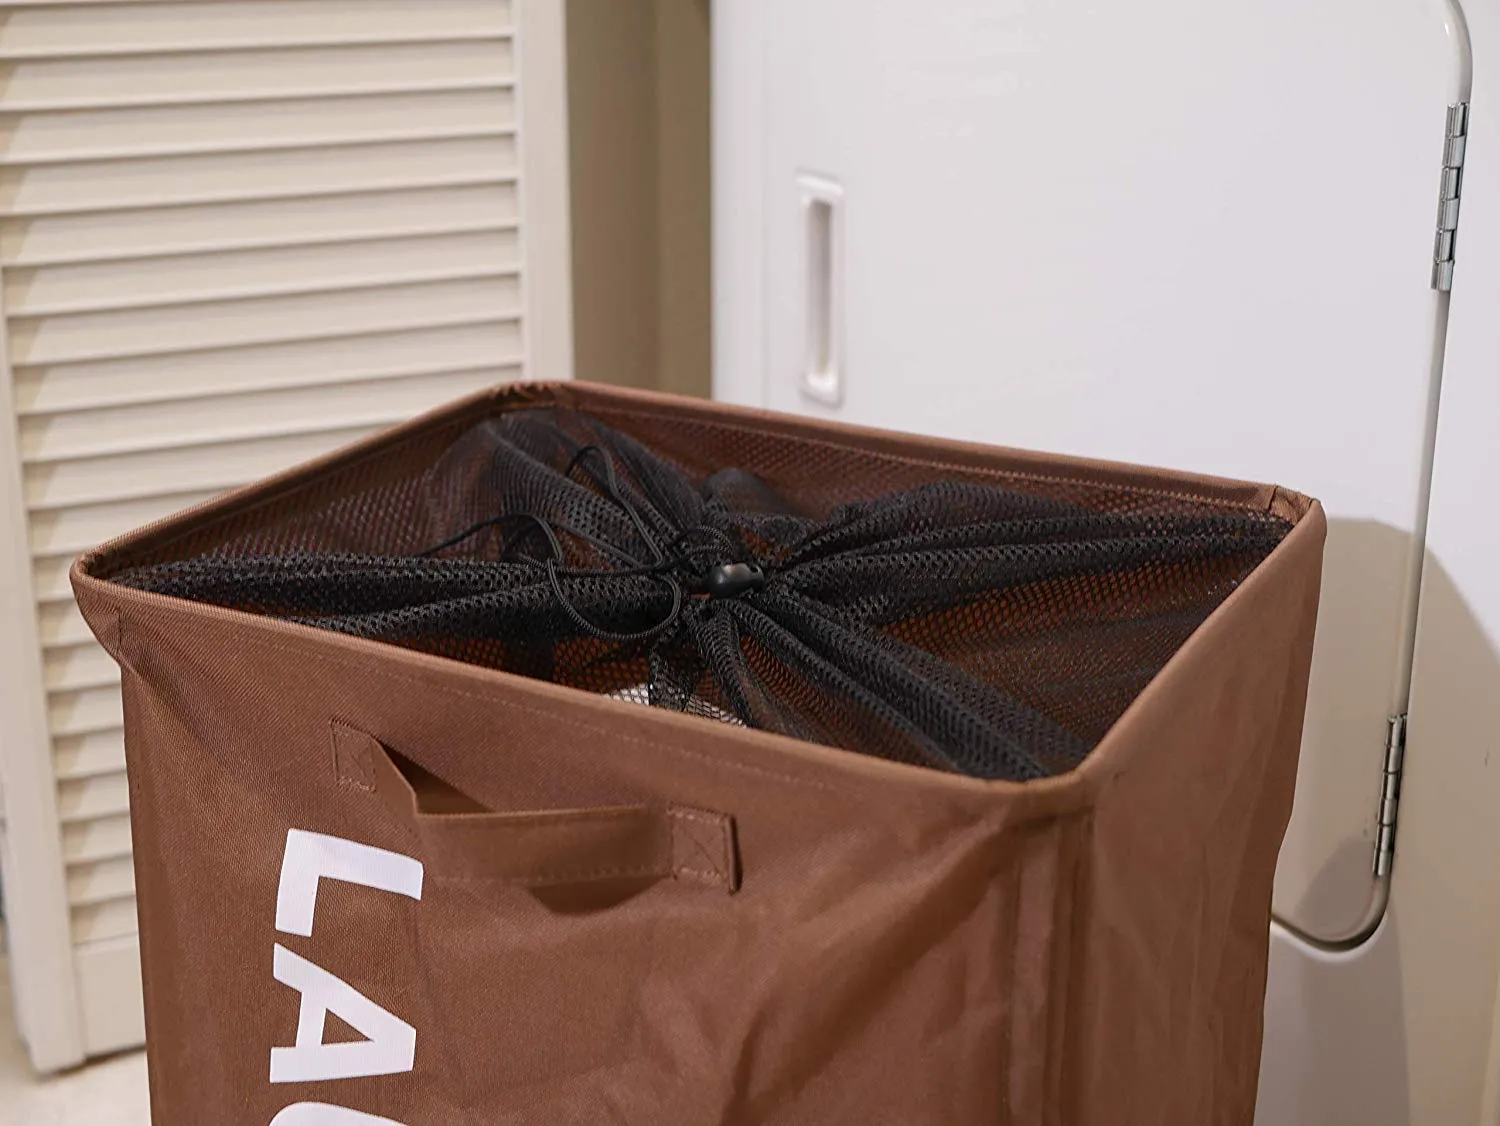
542,848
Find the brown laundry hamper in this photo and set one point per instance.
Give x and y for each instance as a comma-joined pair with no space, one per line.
958,804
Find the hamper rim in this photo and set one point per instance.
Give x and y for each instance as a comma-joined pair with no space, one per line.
967,456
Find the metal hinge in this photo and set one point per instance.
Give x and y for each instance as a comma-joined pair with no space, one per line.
1450,188
1390,794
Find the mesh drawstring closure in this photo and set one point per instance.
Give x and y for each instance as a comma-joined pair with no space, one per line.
729,578
962,621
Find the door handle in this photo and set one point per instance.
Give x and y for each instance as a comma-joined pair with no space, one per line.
822,205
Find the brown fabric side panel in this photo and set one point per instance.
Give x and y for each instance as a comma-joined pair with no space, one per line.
1197,782
168,956
1066,985
864,972
1040,964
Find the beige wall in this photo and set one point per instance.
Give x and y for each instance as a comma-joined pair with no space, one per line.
638,92
682,168
612,153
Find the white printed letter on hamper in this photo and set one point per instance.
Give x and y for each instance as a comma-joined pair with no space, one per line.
389,1047
324,1114
311,857
390,1044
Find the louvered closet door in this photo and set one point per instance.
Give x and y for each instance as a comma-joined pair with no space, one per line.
234,234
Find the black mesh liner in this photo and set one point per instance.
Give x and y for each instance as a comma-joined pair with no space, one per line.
967,622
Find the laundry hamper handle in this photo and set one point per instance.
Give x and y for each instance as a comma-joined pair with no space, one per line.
542,848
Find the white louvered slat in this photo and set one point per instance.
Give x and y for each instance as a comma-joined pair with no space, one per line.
74,30
61,624
49,578
66,532
84,756
104,838
103,921
235,234
97,881
101,839
290,173
81,799
111,1001
349,359
257,273
79,666
153,471
222,418
207,78
92,135
83,710
223,324
145,232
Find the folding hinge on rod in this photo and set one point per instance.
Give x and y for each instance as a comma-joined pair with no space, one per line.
1390,794
1450,188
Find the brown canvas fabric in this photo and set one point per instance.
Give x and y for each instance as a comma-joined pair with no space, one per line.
524,904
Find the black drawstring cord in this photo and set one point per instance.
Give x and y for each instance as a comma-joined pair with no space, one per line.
740,576
490,522
611,635
616,494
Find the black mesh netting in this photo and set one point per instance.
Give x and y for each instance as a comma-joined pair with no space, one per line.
972,624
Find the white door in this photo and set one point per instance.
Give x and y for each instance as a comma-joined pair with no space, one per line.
1199,237
233,234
